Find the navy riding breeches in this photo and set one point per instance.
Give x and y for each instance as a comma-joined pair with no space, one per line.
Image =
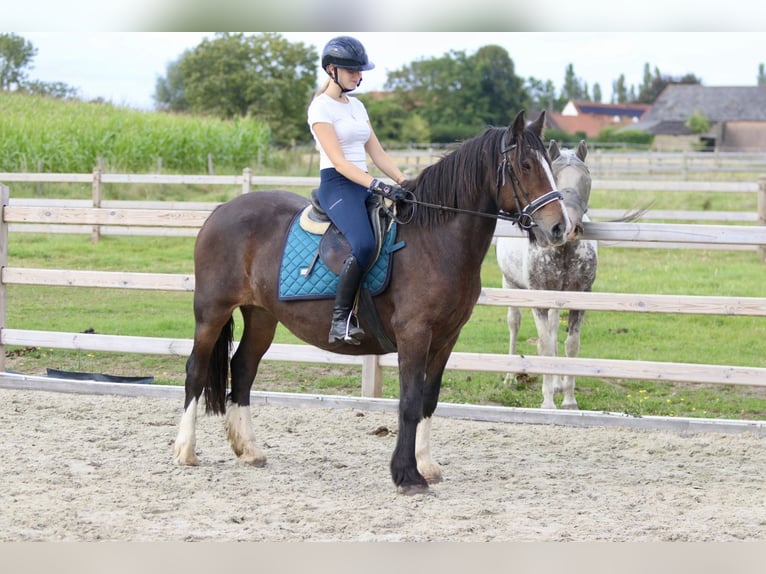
344,202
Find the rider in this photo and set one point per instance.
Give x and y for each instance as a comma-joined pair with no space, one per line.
344,137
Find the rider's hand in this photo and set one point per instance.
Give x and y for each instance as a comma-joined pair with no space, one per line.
392,192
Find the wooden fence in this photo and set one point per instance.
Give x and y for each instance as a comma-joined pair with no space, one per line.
632,165
174,216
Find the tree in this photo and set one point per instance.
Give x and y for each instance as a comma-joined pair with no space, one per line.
392,122
541,94
597,93
645,89
460,95
501,89
16,55
574,88
237,75
169,91
58,90
619,90
653,84
697,123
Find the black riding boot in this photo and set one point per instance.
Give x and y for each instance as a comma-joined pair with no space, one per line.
344,326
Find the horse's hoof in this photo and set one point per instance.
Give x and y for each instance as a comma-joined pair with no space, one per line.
570,407
257,461
413,489
181,460
433,475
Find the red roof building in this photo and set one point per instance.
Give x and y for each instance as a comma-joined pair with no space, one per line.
591,117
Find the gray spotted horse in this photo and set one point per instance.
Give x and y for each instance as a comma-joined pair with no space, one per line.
528,264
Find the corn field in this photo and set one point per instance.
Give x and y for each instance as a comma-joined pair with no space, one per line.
70,136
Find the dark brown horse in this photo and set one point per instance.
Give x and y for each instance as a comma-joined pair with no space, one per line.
435,282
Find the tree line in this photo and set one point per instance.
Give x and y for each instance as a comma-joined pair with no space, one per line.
266,77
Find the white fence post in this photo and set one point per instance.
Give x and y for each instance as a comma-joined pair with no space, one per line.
97,193
762,212
247,178
372,377
4,200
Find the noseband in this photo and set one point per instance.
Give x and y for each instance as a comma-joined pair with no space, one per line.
524,218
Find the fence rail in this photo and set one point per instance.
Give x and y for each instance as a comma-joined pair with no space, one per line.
89,215
612,164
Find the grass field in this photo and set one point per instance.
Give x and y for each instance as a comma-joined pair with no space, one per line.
618,335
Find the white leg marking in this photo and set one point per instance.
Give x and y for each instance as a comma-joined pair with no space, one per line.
426,465
239,429
186,441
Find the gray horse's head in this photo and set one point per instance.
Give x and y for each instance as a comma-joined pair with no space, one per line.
573,180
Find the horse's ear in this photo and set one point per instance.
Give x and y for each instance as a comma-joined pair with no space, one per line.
553,150
538,125
518,124
582,150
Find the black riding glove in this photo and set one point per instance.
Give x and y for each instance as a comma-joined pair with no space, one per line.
392,192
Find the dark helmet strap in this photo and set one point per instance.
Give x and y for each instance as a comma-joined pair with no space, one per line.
334,77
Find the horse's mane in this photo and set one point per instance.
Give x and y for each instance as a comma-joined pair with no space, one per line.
461,176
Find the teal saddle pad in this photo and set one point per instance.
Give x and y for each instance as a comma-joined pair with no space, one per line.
301,249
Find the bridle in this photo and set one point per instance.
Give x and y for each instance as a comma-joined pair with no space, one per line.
524,218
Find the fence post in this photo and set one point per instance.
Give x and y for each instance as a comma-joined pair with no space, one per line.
762,212
39,170
247,178
372,377
97,193
4,200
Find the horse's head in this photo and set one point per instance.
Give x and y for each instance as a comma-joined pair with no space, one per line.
526,186
574,182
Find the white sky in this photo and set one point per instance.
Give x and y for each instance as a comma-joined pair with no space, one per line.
123,67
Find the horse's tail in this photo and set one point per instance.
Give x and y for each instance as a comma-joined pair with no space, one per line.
633,214
218,371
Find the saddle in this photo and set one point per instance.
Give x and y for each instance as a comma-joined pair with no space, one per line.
334,247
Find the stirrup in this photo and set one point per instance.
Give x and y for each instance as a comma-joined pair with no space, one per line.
352,333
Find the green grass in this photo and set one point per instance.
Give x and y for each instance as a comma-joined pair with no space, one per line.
618,335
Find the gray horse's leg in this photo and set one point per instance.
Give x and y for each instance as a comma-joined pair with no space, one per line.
547,321
572,347
514,323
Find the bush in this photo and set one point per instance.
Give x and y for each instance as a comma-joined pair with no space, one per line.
633,137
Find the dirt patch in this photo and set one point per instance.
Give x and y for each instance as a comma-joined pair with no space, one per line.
84,468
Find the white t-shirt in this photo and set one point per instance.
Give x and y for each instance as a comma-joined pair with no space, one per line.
351,124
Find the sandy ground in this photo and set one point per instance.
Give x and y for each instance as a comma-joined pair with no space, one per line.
86,468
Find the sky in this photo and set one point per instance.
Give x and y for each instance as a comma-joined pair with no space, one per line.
123,67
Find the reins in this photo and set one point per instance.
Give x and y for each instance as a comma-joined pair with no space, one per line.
524,217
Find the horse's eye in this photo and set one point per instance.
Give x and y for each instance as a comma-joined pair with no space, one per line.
526,165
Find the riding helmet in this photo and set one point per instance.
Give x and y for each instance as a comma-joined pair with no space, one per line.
346,52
